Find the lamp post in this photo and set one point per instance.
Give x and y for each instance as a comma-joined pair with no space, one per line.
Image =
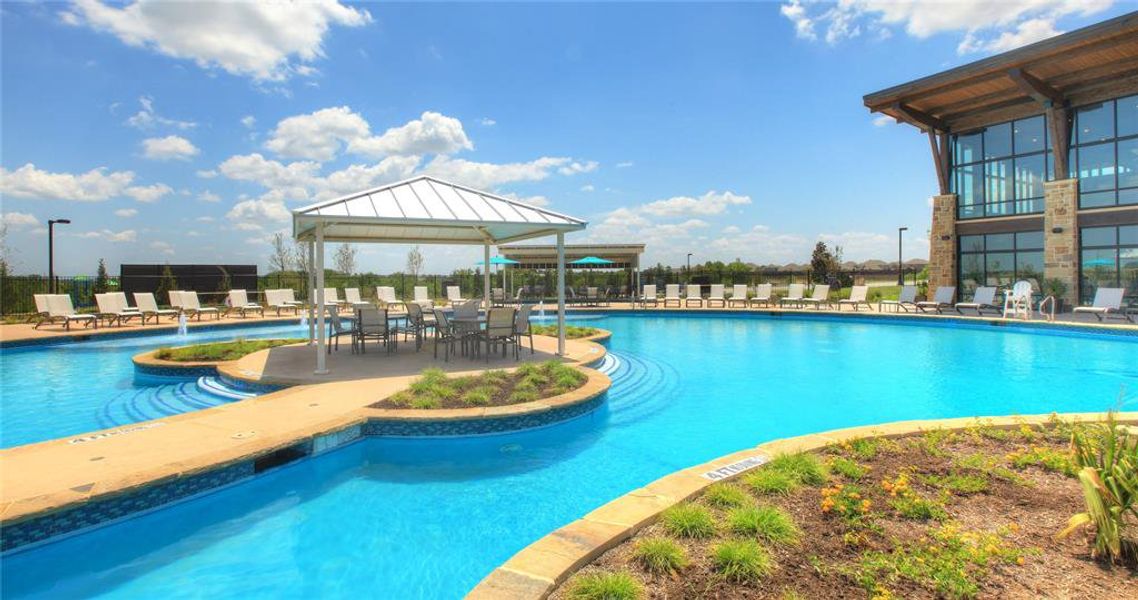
689,267
900,263
51,250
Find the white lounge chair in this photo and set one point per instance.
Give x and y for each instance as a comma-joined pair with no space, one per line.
192,307
738,295
763,293
693,292
983,298
717,295
906,299
288,297
352,298
1018,300
648,295
672,294
1107,302
794,293
858,296
239,301
454,295
820,296
175,297
41,315
386,296
113,308
422,298
278,300
148,306
332,298
942,299
60,309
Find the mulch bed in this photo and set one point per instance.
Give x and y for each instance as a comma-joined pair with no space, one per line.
1030,504
528,383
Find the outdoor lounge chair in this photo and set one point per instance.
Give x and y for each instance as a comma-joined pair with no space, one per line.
738,294
192,307
983,298
1018,300
175,297
820,296
794,293
717,295
148,306
454,295
762,294
423,298
648,295
693,292
278,300
288,297
907,298
239,301
858,295
385,294
672,294
1107,302
942,299
41,313
60,309
332,298
113,309
352,298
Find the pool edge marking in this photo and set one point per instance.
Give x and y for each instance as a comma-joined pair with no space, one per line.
739,466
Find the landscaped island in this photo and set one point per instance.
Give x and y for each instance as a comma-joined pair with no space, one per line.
220,351
572,332
528,383
944,514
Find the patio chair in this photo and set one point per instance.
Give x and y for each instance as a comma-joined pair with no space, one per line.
592,297
738,295
239,301
648,294
192,307
717,294
500,330
454,295
763,293
385,294
113,310
60,309
418,323
445,334
1107,302
148,306
693,292
672,294
1017,301
858,295
278,300
497,297
794,293
41,313
352,298
518,297
907,298
820,296
373,325
983,298
522,326
942,299
337,329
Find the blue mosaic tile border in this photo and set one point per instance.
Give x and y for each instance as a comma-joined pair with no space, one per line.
178,372
248,386
451,428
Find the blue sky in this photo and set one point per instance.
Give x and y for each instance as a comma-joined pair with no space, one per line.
185,133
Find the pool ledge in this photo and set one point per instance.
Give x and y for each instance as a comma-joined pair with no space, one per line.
536,570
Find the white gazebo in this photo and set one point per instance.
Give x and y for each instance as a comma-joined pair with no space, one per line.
425,210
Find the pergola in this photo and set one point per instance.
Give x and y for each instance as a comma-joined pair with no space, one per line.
622,256
426,210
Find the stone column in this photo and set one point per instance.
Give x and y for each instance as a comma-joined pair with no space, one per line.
942,243
1061,235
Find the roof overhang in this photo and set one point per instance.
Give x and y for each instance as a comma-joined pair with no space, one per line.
545,256
1084,66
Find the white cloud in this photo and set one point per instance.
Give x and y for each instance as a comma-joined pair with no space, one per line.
731,230
988,26
206,173
264,41
883,120
711,203
249,121
162,247
588,188
148,193
205,219
624,164
171,147
300,181
128,235
487,122
490,175
255,213
575,167
126,213
93,186
360,177
19,220
208,196
540,201
270,173
431,133
146,118
322,134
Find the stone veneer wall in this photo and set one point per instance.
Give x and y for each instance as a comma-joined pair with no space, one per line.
1061,250
942,252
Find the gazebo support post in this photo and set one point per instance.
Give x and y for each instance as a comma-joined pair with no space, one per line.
561,294
321,333
486,275
311,292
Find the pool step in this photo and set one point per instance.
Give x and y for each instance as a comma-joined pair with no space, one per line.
166,399
217,387
640,388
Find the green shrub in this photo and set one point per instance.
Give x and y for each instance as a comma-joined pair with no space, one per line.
803,467
725,495
604,586
403,398
957,483
425,402
478,396
913,506
660,555
767,522
689,521
741,560
847,468
768,481
1045,458
519,396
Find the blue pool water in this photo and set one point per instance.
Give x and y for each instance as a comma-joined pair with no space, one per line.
428,518
48,392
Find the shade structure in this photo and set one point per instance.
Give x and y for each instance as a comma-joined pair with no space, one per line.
499,260
591,260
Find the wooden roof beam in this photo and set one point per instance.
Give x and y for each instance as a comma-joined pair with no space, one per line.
919,118
1034,87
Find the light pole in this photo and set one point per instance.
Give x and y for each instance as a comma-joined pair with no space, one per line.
689,267
51,250
900,263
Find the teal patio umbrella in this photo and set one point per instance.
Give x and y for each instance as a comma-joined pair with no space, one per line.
500,260
591,261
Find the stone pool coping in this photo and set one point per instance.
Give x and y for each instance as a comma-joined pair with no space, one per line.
14,335
42,479
537,570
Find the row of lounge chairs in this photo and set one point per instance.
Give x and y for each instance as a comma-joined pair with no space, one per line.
741,296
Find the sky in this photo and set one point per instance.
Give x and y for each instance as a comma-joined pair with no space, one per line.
187,132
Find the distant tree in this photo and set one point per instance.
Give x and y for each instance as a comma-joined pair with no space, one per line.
226,282
101,277
345,259
738,271
5,251
166,284
826,266
301,258
280,259
414,263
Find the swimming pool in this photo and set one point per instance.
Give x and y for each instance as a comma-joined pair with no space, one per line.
63,389
430,517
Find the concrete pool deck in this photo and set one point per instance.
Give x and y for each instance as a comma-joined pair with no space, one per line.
41,478
20,332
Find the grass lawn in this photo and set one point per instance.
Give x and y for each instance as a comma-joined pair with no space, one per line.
529,382
572,332
220,350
